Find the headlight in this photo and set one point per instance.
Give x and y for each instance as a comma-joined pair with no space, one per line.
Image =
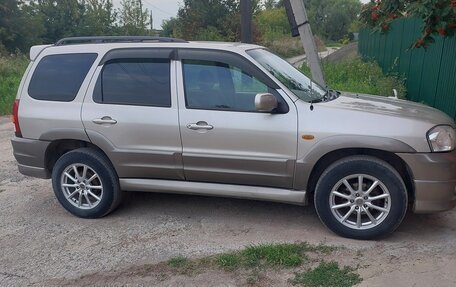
442,138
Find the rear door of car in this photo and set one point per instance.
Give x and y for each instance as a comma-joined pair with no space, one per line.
130,111
224,138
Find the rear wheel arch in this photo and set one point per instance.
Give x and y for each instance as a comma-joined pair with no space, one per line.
389,157
58,148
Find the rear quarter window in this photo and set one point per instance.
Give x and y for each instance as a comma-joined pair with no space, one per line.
59,77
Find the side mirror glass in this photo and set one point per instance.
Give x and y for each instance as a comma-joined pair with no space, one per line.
265,102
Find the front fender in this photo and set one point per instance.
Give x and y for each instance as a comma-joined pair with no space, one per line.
306,163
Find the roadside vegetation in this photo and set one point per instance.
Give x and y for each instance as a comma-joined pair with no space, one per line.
303,263
11,71
358,76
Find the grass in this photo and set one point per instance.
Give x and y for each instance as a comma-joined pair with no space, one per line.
177,262
266,255
327,274
285,46
253,263
358,76
11,71
285,255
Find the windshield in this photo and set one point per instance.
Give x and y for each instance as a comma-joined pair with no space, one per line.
293,79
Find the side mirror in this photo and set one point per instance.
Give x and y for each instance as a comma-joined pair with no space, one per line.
265,102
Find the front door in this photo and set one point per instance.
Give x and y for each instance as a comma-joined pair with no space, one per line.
224,138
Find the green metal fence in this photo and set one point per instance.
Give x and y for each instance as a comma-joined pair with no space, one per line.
430,73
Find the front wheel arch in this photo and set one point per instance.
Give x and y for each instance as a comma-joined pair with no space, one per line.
389,157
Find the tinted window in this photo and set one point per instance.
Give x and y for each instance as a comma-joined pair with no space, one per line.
144,82
219,86
59,77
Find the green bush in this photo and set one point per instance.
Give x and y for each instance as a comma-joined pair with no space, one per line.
11,71
358,76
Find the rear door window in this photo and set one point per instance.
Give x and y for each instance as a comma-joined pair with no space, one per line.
143,82
59,77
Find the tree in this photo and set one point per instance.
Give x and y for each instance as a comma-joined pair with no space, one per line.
134,19
168,27
272,23
19,26
330,19
211,19
99,18
197,15
269,4
439,16
60,19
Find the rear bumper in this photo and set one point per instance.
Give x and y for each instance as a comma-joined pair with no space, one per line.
30,156
434,179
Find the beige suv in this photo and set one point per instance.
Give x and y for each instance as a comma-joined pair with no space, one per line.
101,115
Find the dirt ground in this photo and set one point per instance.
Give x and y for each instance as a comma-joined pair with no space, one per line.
42,244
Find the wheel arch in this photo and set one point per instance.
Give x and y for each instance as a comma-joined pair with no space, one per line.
59,147
389,157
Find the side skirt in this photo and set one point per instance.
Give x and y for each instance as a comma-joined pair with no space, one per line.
215,189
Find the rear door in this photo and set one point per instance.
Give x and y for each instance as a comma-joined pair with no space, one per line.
130,111
224,138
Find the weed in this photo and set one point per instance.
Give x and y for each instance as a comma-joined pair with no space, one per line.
11,71
322,248
358,76
270,255
287,255
229,261
327,274
178,262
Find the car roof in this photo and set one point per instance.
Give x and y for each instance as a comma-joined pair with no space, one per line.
102,48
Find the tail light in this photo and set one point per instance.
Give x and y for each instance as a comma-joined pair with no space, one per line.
15,119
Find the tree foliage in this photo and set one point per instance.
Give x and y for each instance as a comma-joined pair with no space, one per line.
439,16
134,19
27,23
208,20
331,19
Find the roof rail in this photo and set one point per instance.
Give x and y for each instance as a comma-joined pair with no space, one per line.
114,39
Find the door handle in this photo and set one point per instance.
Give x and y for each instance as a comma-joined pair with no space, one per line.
105,121
200,126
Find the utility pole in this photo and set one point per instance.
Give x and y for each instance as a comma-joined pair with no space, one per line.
308,42
246,21
151,21
141,16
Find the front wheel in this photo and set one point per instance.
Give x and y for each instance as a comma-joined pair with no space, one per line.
361,197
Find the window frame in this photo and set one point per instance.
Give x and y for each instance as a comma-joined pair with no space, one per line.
234,60
126,56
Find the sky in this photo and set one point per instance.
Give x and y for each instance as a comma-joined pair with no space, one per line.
165,9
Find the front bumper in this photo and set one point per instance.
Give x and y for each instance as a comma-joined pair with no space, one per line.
434,176
30,156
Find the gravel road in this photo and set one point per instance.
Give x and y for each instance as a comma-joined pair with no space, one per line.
42,244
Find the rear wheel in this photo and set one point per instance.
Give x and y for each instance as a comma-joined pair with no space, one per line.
361,197
85,183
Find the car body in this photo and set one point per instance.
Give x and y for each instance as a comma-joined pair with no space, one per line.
224,119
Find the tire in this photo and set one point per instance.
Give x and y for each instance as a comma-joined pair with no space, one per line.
338,206
94,199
